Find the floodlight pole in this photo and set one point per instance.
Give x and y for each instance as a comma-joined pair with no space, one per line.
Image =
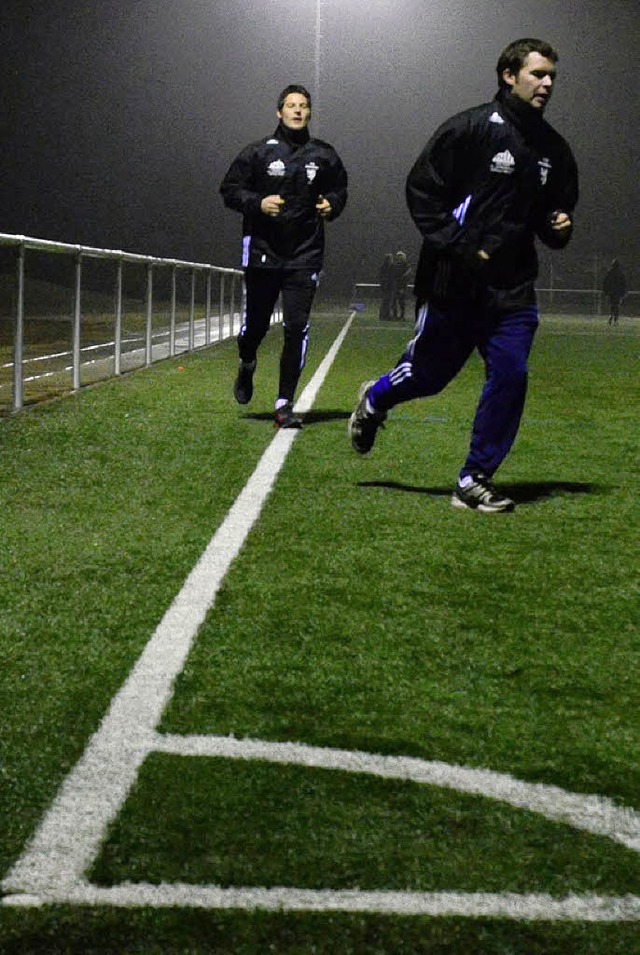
316,95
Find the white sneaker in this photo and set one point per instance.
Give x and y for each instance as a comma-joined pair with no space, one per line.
475,492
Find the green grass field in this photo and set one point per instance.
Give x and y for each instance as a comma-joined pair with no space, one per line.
363,614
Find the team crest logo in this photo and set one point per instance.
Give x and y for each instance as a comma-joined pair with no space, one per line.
312,169
503,162
545,166
276,168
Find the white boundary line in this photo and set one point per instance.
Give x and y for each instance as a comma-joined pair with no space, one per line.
51,870
71,832
510,905
593,814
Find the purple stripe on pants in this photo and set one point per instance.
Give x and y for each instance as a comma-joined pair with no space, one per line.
443,342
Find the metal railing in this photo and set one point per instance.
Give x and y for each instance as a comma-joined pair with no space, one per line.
196,304
584,301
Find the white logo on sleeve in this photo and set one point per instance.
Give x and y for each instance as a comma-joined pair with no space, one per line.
276,168
496,118
503,162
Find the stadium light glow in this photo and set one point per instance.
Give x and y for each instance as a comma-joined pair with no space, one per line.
317,51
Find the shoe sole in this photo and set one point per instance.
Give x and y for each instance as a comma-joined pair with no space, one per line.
296,423
364,388
482,508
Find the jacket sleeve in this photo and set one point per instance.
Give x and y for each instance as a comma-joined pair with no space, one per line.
337,193
429,188
562,197
237,188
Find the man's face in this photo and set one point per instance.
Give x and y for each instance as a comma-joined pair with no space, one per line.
295,112
534,81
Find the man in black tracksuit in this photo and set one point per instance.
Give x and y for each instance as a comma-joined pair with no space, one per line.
489,181
285,186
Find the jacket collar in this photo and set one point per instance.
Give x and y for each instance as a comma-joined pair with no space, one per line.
292,137
525,117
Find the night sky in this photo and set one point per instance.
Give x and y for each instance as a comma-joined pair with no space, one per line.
120,117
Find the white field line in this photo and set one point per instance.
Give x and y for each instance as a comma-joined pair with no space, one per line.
52,868
593,814
72,831
510,905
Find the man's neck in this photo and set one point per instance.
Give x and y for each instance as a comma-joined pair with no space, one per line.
522,113
294,137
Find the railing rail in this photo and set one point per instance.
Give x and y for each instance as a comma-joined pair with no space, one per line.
585,300
196,333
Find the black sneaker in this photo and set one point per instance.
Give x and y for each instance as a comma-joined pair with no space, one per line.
363,424
243,385
479,494
285,418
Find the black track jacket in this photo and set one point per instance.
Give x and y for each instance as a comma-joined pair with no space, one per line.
300,173
489,178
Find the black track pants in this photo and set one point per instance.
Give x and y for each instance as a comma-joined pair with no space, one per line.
298,288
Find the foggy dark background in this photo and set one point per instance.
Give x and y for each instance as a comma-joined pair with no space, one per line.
120,117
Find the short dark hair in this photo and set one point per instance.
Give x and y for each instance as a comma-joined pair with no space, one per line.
294,88
513,56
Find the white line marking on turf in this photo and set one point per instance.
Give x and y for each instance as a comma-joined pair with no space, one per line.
533,907
593,814
73,829
51,870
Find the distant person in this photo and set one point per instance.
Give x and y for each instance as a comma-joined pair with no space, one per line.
614,287
488,182
286,186
401,276
386,283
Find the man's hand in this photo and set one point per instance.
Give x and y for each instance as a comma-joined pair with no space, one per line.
323,207
272,205
560,221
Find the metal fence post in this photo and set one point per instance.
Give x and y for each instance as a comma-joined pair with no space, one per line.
18,346
117,345
172,320
149,317
77,320
221,309
192,310
207,310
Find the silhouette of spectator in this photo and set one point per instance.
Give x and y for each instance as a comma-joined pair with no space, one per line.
614,286
401,273
386,281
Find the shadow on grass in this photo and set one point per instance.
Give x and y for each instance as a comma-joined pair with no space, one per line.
308,417
523,493
318,417
530,492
